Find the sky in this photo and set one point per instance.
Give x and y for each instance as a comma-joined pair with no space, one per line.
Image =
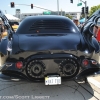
64,5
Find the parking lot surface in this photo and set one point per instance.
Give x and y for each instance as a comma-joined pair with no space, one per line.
69,90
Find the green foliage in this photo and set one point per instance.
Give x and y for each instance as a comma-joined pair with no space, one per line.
82,16
69,16
93,9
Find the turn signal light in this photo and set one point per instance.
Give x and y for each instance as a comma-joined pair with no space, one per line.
19,65
85,62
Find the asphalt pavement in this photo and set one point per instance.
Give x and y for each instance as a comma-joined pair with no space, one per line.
68,90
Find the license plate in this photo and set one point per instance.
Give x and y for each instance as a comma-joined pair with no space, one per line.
52,80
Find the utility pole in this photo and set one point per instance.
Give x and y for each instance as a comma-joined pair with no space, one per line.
61,12
85,10
58,6
85,2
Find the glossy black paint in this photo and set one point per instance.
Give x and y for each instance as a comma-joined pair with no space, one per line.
47,43
3,46
29,42
49,60
47,24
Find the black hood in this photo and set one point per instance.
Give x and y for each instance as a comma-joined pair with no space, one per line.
30,42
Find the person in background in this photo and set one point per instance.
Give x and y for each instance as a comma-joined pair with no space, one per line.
98,35
80,26
76,21
1,30
95,30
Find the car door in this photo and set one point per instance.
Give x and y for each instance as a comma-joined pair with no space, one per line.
89,32
5,44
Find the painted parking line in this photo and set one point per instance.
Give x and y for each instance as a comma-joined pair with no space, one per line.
94,82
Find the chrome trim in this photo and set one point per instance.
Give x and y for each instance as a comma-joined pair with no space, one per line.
8,65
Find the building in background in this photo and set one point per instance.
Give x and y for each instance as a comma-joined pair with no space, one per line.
62,13
24,15
74,14
17,13
20,15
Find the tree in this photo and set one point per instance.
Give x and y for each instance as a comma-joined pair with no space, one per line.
82,16
93,9
69,16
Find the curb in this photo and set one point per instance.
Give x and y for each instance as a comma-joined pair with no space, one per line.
94,82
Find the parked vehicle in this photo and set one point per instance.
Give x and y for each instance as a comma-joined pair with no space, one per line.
50,48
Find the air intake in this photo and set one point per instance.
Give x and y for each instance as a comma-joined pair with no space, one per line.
49,24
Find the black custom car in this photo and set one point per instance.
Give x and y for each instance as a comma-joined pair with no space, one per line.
49,48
